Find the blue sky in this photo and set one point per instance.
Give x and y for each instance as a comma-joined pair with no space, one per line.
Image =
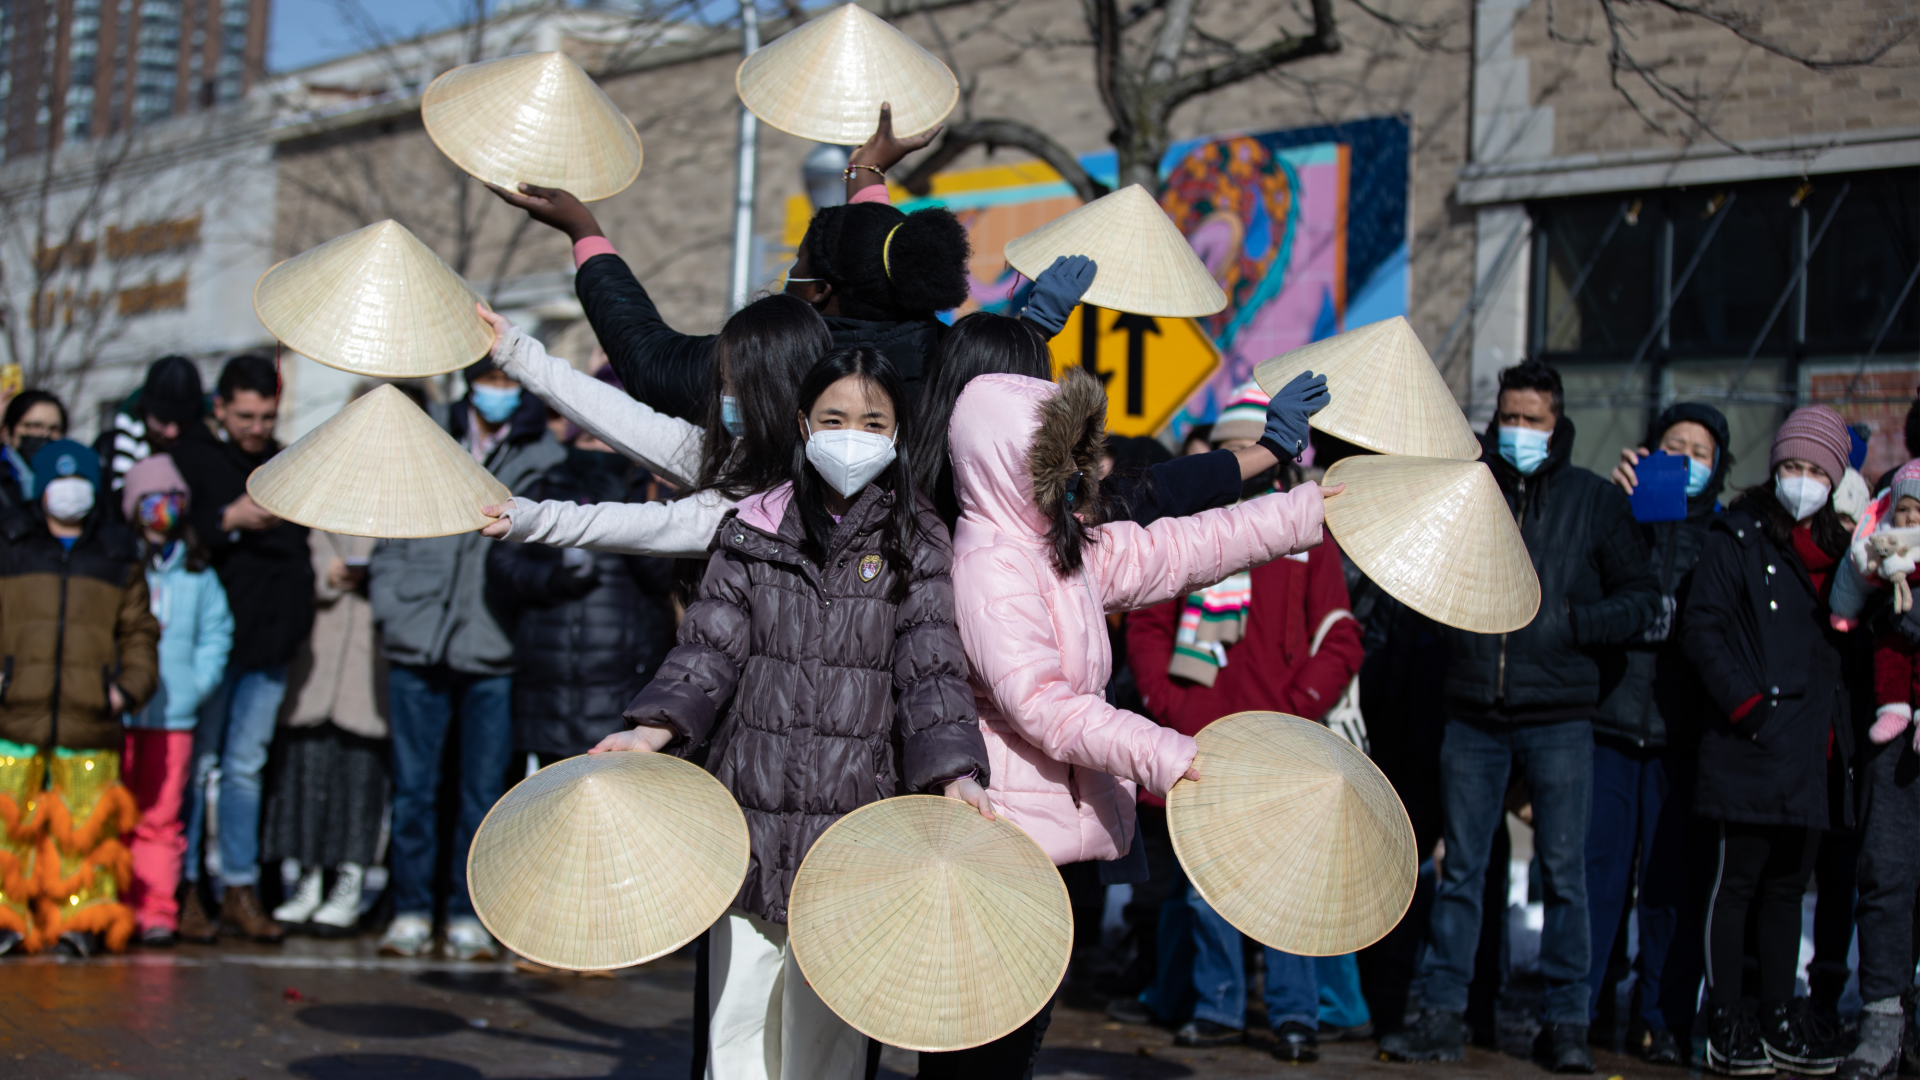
308,31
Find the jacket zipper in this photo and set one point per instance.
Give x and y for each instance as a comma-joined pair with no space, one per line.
1500,671
59,650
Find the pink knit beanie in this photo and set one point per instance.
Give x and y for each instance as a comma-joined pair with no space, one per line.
1906,481
152,474
1813,433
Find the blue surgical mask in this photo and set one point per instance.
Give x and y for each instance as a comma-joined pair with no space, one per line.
1524,448
1697,476
730,417
496,403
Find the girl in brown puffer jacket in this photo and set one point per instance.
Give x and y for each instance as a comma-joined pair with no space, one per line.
820,667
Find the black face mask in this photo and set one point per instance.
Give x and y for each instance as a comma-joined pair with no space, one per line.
30,445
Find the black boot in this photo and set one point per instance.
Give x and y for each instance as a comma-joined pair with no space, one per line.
1734,1047
1662,1049
1298,1043
1433,1035
1563,1048
1796,1040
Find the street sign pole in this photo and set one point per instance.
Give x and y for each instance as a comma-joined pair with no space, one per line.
744,173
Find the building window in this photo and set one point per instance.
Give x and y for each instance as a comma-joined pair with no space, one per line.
1647,298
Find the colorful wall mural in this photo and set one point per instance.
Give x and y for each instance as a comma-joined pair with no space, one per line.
1305,229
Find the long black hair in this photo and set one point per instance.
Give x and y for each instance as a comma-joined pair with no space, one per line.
1829,535
809,489
23,402
766,347
888,266
979,344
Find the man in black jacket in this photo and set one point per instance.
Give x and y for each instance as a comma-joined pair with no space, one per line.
1527,699
264,565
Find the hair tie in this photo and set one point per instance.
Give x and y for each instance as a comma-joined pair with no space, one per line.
886,249
1073,487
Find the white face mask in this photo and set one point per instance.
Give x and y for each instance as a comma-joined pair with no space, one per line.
69,498
848,460
1803,496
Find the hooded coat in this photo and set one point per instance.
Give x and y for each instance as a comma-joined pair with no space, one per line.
1596,591
1065,764
813,692
1651,696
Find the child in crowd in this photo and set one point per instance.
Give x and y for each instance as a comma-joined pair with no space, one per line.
1896,675
78,642
196,633
844,543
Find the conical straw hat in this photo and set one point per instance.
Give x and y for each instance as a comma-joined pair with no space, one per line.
1293,835
376,302
825,80
1387,395
533,119
1436,534
607,860
928,927
379,467
1145,265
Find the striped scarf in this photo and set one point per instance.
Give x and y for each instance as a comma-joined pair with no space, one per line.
1212,619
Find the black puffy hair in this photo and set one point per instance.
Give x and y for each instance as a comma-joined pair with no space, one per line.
921,271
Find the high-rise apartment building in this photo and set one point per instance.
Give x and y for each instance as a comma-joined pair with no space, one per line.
75,69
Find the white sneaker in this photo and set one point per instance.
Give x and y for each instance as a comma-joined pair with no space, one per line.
407,935
300,906
342,909
468,940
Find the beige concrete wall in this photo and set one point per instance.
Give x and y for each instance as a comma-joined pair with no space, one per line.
1746,92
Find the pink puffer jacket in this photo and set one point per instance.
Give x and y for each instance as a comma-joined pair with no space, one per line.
1064,762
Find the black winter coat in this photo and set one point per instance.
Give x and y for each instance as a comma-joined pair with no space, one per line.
1596,589
268,574
584,643
673,372
1754,625
1651,697
818,693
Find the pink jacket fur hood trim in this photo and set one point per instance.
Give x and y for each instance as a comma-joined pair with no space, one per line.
1064,763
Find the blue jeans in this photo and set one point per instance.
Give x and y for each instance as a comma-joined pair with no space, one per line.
424,701
1643,798
235,731
1204,976
1342,1003
1476,763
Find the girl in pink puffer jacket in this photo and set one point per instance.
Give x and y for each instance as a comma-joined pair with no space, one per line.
1032,585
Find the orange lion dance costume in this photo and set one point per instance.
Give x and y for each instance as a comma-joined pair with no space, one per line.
63,867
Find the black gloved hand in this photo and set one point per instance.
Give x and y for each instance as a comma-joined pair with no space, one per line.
1057,290
1286,434
567,583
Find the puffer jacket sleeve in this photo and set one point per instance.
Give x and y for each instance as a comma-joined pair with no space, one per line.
136,637
1009,633
1632,596
666,444
1138,567
699,676
681,529
938,727
214,639
671,371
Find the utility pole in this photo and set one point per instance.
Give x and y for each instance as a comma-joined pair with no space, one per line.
744,172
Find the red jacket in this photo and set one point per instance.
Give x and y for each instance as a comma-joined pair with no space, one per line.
1268,669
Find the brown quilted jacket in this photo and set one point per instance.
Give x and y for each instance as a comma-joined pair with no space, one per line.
71,624
812,692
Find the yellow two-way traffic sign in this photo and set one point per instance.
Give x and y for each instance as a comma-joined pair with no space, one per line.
1150,365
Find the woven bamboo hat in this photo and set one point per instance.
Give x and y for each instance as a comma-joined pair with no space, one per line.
1145,265
825,80
376,302
379,467
532,119
1436,534
928,927
1387,395
1293,835
607,860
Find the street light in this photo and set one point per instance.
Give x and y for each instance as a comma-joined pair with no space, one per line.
824,173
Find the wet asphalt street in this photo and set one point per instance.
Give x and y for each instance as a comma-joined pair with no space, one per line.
334,1011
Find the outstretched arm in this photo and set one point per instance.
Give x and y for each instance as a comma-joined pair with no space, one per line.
1136,567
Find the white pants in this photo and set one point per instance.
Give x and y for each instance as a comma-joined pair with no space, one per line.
766,1022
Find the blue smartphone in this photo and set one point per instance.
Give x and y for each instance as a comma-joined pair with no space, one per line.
1661,494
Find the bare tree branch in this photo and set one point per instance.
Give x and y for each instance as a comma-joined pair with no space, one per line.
963,136
1322,40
